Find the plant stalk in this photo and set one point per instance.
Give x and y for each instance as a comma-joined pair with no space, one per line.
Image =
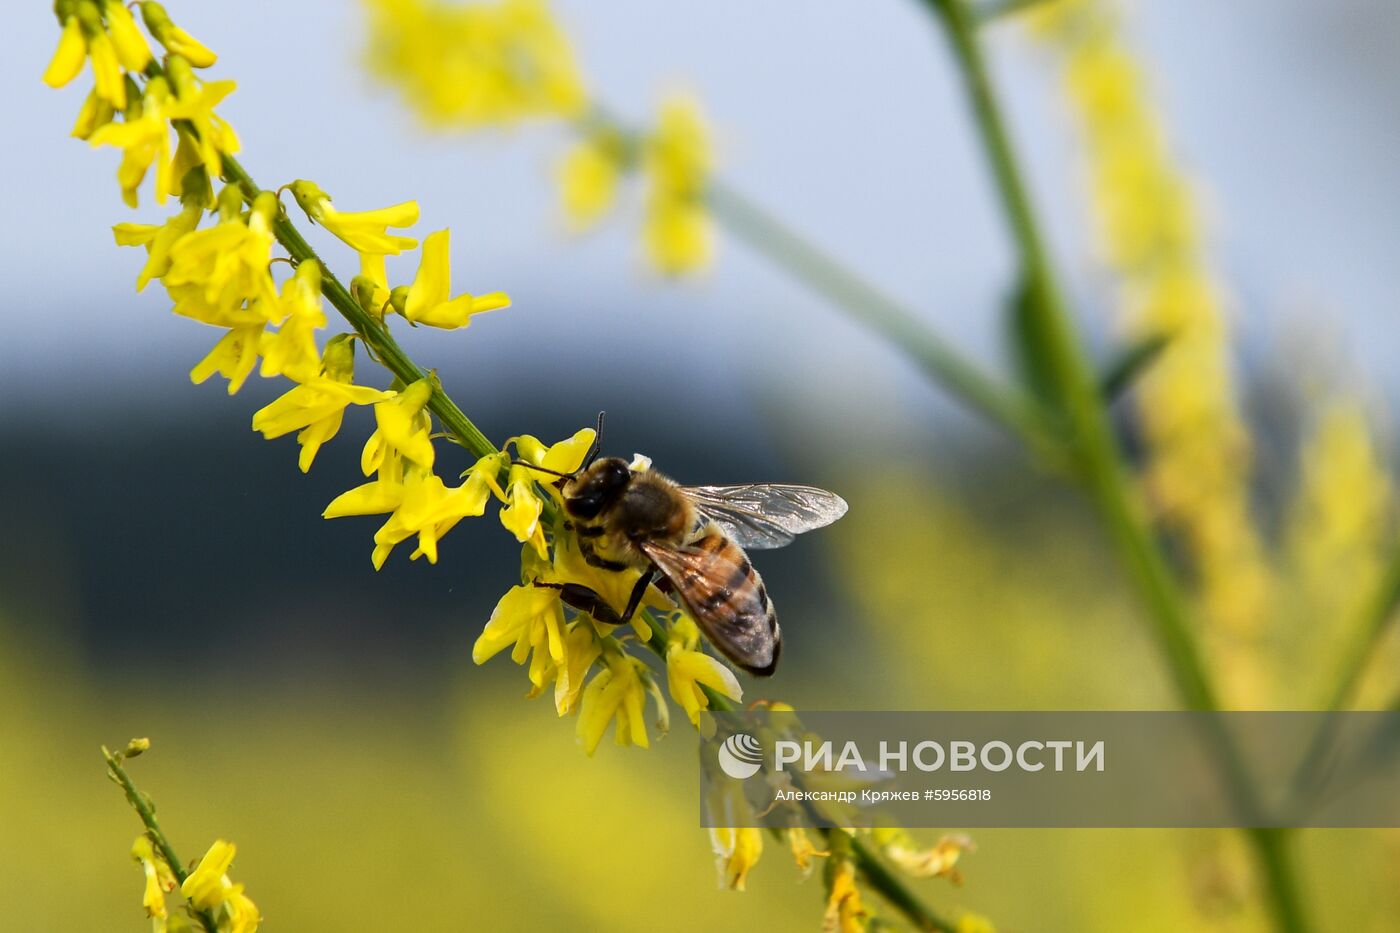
1101,465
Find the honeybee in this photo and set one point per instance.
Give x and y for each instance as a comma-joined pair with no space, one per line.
693,537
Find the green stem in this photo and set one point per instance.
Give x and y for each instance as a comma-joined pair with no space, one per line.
144,809
864,302
1101,465
1373,620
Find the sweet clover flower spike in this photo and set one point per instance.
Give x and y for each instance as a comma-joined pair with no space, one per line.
84,36
429,299
176,40
160,880
316,407
292,350
476,64
678,231
364,232
208,888
688,669
619,692
737,851
144,138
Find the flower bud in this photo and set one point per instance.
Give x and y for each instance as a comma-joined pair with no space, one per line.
136,747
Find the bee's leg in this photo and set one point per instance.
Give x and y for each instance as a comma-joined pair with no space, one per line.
638,591
591,557
584,599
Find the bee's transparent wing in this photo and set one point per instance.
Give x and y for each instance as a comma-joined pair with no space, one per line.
766,515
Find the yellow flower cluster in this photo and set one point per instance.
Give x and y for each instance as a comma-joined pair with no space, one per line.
208,888
491,64
1198,466
476,64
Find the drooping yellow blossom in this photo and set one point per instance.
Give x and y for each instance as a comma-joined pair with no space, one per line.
160,880
130,46
316,407
372,270
208,888
975,923
803,849
588,177
737,851
429,299
176,40
844,913
365,231
234,356
404,426
429,509
581,649
96,112
194,103
619,691
476,64
84,36
291,351
521,516
144,138
678,231
938,860
529,619
688,669
158,240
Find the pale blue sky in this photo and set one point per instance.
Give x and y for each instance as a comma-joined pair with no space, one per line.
843,117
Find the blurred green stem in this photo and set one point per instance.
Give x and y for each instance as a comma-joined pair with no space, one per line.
1375,616
1100,463
147,811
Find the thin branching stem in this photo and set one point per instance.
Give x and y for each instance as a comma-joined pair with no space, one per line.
1101,464
144,809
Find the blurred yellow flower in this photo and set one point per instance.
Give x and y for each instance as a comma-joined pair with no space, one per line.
803,849
316,407
291,351
429,299
975,923
364,231
588,177
619,691
678,231
208,888
844,913
159,879
938,860
688,669
476,64
84,37
737,851
131,48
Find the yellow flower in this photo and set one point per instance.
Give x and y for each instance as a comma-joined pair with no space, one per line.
619,691
803,850
581,649
372,268
176,40
195,102
588,177
938,860
476,64
688,669
144,139
317,406
564,457
429,299
844,913
364,232
430,510
158,241
975,923
404,426
529,619
521,516
292,350
678,230
159,879
96,112
229,261
613,587
84,37
736,852
208,888
131,48
233,357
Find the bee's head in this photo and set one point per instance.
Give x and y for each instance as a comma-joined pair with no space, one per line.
593,489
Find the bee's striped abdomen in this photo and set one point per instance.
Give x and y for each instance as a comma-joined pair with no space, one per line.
724,593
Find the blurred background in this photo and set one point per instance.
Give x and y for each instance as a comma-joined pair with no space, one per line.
166,572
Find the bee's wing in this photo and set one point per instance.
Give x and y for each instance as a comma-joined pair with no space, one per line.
766,515
721,591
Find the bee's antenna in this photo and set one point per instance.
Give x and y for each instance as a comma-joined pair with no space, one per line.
597,443
531,466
